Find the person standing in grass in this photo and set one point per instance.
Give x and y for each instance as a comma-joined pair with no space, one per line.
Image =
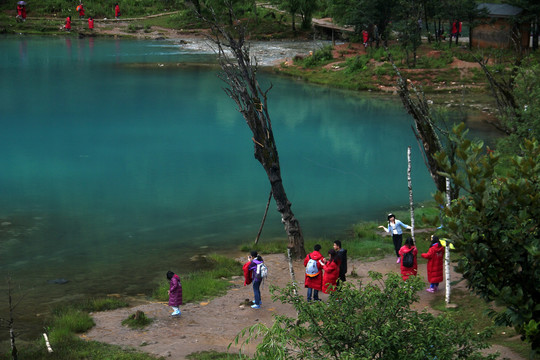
314,277
395,228
175,293
91,23
116,11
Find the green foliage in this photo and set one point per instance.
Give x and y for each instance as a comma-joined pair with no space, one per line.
139,320
203,284
356,63
320,56
374,321
213,355
524,121
69,322
495,229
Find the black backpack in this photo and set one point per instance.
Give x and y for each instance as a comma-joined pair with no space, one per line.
408,259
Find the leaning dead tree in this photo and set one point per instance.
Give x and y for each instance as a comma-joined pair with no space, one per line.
240,73
425,130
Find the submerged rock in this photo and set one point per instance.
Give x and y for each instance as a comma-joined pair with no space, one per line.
60,281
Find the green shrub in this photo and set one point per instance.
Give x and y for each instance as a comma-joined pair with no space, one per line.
139,320
356,63
319,56
379,323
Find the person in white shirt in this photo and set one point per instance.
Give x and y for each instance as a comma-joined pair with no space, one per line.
395,228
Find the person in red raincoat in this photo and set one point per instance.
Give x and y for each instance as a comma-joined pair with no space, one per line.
116,11
247,273
408,247
67,26
91,23
435,256
80,10
175,293
365,37
331,272
314,282
21,13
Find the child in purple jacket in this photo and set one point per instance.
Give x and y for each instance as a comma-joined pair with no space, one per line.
175,293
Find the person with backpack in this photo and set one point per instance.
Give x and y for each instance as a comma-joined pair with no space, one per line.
257,274
435,256
409,264
314,276
394,228
175,293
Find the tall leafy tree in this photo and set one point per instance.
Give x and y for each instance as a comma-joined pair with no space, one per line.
495,228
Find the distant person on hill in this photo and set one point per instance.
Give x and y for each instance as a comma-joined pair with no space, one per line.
80,10
117,11
67,26
408,248
21,13
331,272
394,228
314,276
435,256
175,293
365,37
91,23
341,260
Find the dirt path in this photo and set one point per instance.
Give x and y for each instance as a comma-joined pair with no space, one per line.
213,325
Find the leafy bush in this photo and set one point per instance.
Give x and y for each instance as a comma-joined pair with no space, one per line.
356,63
373,322
139,320
319,56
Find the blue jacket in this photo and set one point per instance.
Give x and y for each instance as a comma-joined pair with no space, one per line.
397,226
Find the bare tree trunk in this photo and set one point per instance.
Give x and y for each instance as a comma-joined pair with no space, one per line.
264,218
240,74
14,353
411,201
447,249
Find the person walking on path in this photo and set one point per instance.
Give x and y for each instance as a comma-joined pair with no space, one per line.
435,256
80,10
331,272
341,259
175,293
410,249
67,26
116,11
256,259
314,276
395,228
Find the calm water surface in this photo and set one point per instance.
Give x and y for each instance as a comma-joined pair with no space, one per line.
112,173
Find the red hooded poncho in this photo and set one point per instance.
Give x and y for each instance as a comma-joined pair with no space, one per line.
435,257
314,282
405,271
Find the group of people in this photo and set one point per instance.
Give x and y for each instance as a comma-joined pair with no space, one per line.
80,9
21,12
407,254
324,274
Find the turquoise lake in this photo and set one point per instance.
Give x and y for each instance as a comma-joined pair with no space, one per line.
113,172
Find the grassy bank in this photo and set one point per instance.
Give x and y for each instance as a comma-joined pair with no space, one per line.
68,321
